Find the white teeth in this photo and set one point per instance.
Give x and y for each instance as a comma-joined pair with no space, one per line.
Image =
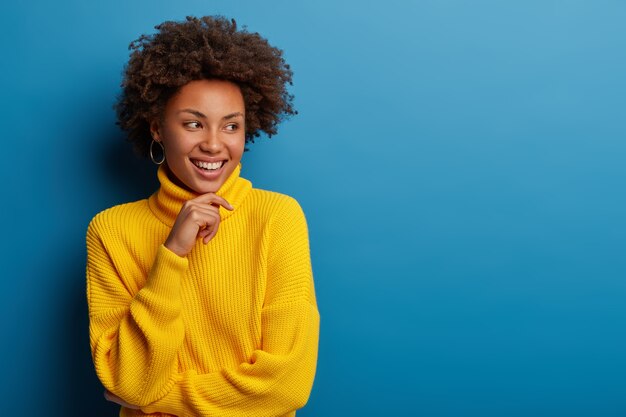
208,165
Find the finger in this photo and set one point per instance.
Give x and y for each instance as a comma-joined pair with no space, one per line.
190,206
204,232
115,399
213,199
205,208
204,216
110,396
210,232
210,225
210,236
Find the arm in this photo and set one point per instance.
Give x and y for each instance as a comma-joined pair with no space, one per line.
279,375
134,338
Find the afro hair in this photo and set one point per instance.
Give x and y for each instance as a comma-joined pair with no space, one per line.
203,48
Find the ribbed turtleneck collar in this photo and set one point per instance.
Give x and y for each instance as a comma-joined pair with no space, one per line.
167,201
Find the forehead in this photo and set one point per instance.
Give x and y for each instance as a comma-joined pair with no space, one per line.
211,97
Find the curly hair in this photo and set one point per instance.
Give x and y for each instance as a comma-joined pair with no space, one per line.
203,48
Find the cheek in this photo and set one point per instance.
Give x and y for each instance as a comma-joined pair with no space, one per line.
237,147
175,144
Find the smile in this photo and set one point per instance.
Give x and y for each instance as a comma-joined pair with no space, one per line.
209,166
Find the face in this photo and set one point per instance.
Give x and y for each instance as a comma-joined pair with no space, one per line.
202,130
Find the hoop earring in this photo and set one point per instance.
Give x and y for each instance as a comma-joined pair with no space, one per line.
152,152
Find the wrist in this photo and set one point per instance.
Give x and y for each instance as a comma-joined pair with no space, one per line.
174,248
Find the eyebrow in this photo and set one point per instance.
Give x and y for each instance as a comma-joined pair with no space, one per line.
232,115
194,112
202,115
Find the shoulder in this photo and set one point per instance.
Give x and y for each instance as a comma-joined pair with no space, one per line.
282,214
276,204
117,218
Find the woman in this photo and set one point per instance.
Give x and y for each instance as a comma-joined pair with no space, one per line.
201,297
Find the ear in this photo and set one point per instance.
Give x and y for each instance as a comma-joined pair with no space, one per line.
155,130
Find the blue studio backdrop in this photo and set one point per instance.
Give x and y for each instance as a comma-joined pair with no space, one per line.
460,163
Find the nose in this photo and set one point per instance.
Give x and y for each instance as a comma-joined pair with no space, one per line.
211,143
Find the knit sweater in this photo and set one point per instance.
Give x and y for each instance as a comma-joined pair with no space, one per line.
229,330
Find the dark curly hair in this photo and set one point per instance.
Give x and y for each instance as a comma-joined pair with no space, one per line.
203,48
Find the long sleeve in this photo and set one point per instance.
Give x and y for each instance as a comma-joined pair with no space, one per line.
278,376
134,333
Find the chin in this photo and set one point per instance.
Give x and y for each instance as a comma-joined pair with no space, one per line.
200,187
208,189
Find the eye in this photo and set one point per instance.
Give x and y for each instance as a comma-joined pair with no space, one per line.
232,127
193,125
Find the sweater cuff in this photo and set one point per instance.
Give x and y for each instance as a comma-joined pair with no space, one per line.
167,270
171,402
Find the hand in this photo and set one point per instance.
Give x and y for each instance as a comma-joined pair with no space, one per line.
115,399
198,218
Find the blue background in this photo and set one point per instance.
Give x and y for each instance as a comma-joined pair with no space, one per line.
461,165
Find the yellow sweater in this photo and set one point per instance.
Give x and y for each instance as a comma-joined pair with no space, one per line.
230,330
